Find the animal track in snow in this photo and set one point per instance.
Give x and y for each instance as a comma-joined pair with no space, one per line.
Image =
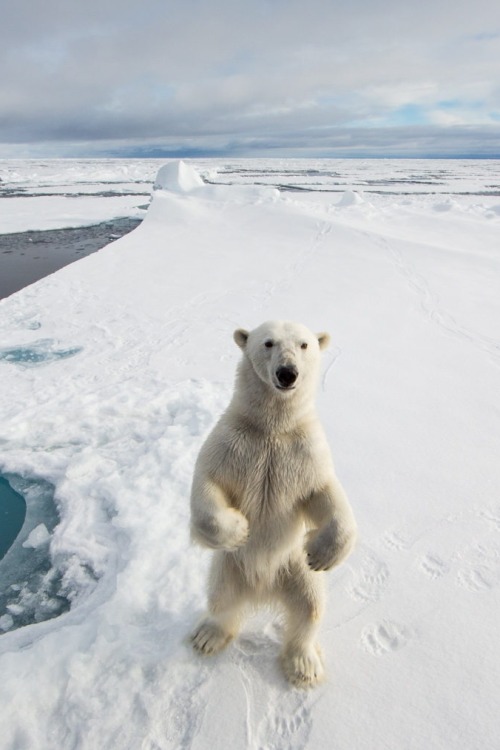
433,566
397,540
279,718
492,516
292,730
383,638
370,581
477,579
433,309
480,568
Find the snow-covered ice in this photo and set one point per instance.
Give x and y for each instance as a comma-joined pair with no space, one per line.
37,537
38,194
56,194
113,371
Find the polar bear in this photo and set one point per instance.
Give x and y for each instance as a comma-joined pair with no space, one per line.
266,498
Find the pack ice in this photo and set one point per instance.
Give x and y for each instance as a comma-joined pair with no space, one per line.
133,361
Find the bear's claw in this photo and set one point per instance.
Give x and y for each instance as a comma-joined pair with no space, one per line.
209,638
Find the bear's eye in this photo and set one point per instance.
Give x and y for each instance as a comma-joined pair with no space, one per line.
303,346
268,344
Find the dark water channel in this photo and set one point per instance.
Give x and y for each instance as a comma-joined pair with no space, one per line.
31,587
26,257
12,515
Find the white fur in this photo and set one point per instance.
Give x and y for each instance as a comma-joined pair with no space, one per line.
266,497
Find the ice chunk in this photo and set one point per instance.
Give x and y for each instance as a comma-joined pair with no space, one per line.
6,622
177,177
350,198
446,205
38,536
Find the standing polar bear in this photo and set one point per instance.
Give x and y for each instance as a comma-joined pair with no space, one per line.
266,497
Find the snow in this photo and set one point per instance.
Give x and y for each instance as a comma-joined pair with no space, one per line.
131,362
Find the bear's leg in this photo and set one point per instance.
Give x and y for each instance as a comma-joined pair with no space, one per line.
226,603
301,592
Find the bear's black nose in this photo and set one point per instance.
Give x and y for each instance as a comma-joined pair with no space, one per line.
287,376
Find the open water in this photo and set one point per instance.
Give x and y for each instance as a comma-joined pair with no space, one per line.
26,257
12,515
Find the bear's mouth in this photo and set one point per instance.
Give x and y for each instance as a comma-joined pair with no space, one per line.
285,387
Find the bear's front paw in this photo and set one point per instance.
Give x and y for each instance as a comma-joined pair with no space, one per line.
227,530
320,552
321,549
234,531
328,547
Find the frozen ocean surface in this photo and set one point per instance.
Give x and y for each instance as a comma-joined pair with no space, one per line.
116,367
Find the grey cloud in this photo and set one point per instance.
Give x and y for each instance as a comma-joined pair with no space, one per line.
232,72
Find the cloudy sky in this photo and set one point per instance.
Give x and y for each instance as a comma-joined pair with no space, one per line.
250,77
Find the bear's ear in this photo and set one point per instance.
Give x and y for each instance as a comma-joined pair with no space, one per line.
241,337
323,340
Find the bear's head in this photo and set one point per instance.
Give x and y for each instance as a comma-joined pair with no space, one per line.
285,356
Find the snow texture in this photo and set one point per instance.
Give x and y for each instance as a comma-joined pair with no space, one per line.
132,361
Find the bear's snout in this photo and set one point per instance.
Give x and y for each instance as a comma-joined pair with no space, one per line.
286,376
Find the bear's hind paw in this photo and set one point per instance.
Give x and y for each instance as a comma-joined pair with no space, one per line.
209,638
303,668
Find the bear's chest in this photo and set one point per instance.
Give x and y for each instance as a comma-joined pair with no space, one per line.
270,473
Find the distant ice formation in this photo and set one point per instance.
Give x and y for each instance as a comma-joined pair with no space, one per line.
177,177
350,198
